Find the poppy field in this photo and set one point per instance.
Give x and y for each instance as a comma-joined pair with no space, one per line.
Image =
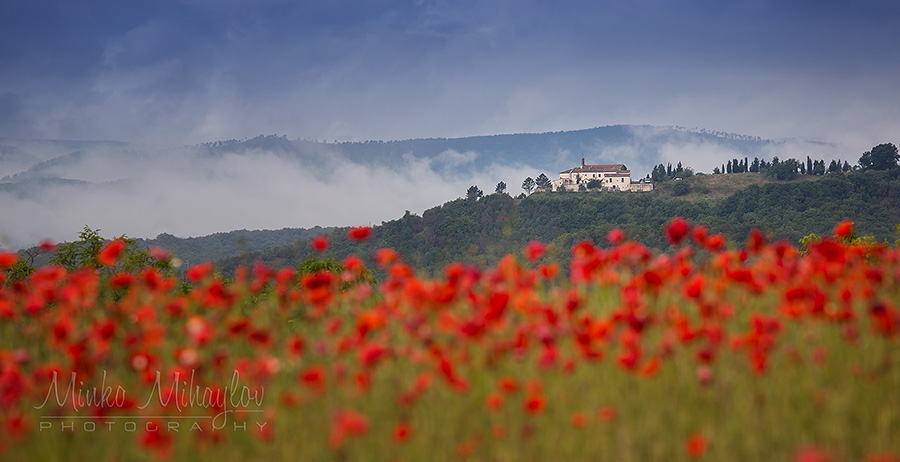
714,350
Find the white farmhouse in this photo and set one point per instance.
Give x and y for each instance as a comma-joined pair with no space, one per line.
610,176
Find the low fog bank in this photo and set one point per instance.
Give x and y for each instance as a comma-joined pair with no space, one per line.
273,183
190,192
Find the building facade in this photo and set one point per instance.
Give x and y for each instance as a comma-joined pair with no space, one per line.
612,177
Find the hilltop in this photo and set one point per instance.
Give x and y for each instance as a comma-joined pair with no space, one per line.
482,231
713,188
274,182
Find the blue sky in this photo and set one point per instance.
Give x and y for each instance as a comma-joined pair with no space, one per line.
178,72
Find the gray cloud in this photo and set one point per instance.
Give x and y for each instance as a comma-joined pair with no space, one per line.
187,193
190,71
172,73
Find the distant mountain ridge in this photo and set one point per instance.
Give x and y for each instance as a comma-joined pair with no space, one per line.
273,182
641,146
20,155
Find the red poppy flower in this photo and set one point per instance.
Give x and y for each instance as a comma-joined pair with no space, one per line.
695,446
535,404
844,229
650,367
158,253
402,432
385,257
549,271
811,454
16,425
579,420
606,414
121,280
347,423
354,264
111,252
156,437
449,374
508,384
199,272
700,234
493,401
314,377
755,240
535,250
296,345
676,230
198,329
372,354
715,243
62,328
694,287
319,243
359,233
615,236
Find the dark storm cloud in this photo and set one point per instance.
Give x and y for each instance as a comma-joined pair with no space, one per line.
196,70
168,73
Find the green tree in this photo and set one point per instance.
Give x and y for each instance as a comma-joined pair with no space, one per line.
542,182
24,265
658,174
474,193
881,157
83,254
501,188
819,167
528,185
786,170
594,184
314,265
834,167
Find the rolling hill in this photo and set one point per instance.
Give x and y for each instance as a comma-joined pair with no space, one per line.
482,231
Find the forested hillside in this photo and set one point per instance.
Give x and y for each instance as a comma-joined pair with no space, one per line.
481,231
217,246
169,189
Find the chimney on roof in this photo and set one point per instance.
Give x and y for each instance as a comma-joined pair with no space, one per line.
582,162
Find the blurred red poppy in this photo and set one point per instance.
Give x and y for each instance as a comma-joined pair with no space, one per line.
360,233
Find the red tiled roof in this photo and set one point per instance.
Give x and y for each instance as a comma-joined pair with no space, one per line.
597,168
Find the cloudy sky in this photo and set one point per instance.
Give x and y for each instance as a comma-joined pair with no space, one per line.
176,72
164,74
